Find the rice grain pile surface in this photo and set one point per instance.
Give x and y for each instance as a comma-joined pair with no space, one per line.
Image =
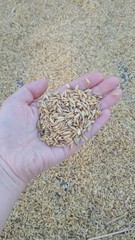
65,117
93,193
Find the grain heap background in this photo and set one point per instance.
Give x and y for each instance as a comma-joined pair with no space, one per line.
92,193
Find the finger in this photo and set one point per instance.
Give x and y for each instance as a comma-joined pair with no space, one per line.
94,79
106,86
99,123
111,99
31,91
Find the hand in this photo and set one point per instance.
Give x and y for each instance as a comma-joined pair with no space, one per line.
20,146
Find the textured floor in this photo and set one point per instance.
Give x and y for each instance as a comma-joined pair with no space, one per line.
92,193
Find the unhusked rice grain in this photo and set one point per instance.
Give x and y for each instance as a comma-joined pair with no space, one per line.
65,117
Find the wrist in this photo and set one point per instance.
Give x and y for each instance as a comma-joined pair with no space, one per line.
10,181
10,189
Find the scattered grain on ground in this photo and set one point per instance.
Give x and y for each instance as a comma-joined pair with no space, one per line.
92,193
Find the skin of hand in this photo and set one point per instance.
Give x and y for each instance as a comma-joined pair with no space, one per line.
21,149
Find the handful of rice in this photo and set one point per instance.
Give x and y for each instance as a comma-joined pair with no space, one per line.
65,117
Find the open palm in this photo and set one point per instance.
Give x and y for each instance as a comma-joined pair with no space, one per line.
20,146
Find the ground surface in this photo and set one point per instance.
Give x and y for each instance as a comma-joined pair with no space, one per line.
92,193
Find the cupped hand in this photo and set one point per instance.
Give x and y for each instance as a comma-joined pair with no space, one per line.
20,145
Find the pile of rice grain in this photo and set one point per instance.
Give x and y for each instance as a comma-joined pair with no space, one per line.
65,117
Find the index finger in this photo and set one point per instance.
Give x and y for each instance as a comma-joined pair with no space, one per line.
86,81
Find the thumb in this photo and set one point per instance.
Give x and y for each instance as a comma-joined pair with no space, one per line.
31,91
